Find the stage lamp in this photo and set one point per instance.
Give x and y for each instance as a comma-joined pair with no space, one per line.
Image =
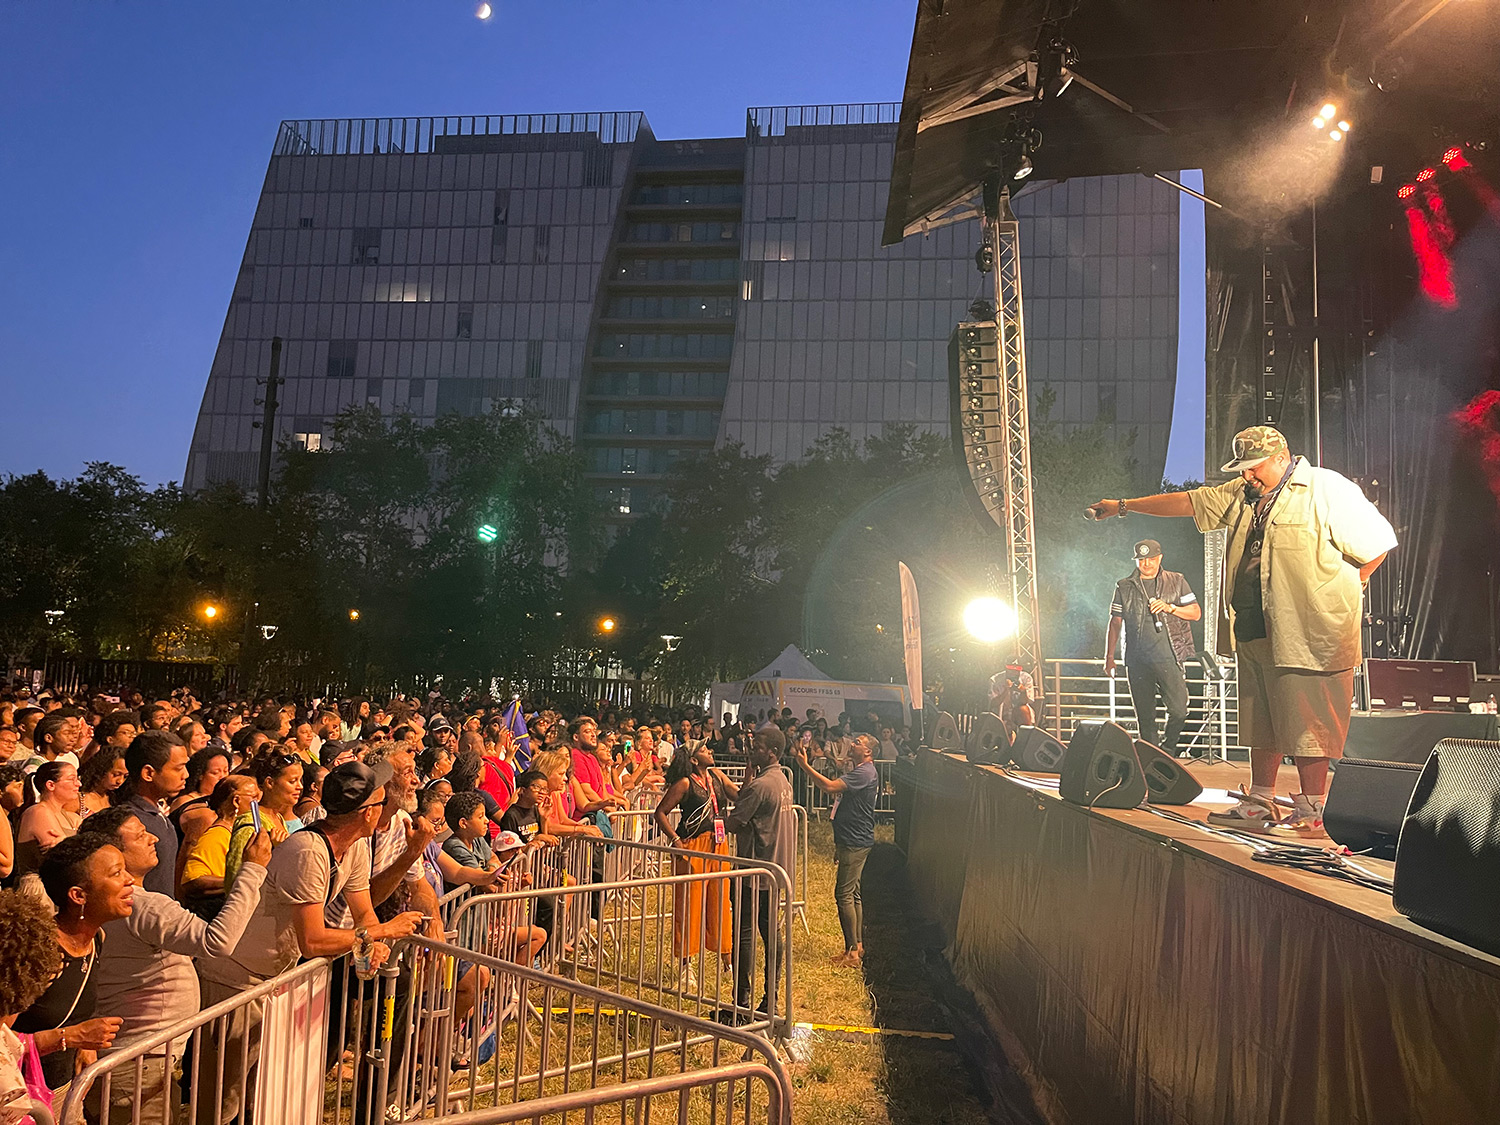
1452,154
1319,121
1426,174
354,615
1328,110
1406,191
989,620
1335,135
487,532
1344,125
1023,169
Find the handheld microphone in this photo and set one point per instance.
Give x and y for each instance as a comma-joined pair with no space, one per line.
1094,512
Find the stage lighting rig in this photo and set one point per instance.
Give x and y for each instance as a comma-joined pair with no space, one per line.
1054,63
1328,118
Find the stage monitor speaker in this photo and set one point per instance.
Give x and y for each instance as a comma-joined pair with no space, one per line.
1448,855
1100,769
1167,780
1367,800
1037,751
989,741
944,735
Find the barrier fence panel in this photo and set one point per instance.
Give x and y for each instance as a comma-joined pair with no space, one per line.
262,1048
538,1045
683,936
819,802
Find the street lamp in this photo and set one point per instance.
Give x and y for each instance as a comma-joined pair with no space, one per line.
354,615
607,624
210,611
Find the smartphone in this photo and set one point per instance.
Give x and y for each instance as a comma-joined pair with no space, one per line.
255,816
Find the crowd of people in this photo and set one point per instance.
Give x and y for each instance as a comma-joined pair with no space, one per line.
160,856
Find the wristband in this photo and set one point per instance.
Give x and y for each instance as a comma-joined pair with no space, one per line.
1121,512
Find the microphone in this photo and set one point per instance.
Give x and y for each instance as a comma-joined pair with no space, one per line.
1094,512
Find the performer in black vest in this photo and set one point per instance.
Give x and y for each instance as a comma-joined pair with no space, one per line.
1154,606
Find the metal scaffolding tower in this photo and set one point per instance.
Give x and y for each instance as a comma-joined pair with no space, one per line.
1004,236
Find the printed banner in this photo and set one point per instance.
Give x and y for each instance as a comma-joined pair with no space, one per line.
911,635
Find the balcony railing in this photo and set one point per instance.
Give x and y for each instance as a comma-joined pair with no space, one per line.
368,135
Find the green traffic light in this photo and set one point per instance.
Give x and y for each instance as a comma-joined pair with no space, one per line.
487,533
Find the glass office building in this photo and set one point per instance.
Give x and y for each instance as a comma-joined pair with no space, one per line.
652,298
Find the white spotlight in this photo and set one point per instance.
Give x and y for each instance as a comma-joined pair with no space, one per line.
989,620
1319,122
1328,110
1344,125
1335,135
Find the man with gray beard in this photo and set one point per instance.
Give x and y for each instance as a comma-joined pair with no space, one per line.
396,880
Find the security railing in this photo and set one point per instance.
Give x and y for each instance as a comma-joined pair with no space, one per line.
386,135
1074,690
672,926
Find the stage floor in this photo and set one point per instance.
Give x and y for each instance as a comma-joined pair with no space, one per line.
1218,780
1137,968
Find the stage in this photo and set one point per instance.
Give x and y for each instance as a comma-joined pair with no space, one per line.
1135,969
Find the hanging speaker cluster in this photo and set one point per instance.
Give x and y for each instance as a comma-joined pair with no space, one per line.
977,422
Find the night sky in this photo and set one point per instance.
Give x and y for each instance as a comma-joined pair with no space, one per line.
137,134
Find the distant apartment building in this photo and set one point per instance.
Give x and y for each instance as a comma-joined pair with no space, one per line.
654,298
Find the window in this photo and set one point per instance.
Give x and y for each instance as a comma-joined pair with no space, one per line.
598,167
677,269
366,246
343,358
416,391
533,359
312,442
500,224
543,243
466,320
1107,395
305,222
374,391
689,195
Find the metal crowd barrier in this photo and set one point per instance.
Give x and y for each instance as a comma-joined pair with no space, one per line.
557,1046
618,933
440,1031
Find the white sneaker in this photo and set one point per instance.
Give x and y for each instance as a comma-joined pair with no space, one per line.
1306,818
1245,816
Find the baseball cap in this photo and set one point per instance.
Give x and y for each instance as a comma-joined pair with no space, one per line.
1254,445
508,841
331,749
352,784
1147,549
438,724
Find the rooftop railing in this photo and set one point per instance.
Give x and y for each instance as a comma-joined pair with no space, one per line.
350,136
774,121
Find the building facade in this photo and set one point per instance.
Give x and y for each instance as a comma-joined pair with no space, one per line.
655,298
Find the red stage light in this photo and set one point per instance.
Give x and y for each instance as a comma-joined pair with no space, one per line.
1434,270
1425,174
1406,191
1452,154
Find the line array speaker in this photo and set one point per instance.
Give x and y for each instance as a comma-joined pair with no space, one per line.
977,419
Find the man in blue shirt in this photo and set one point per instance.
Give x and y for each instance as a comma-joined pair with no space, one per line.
853,819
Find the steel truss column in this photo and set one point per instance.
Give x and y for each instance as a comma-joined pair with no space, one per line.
1019,527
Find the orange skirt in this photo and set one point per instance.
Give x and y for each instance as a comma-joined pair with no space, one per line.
700,910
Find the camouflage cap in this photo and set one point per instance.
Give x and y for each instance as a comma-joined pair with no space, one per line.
1254,445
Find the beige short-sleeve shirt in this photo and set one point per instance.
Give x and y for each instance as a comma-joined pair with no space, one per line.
1319,532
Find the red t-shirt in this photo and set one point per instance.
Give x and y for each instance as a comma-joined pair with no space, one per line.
498,779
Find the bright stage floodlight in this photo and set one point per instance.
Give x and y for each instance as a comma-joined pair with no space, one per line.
1328,110
989,620
487,532
1426,174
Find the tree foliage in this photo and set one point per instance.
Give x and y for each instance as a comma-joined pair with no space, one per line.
741,559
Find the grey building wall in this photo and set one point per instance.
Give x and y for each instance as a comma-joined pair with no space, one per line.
837,331
447,264
445,279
